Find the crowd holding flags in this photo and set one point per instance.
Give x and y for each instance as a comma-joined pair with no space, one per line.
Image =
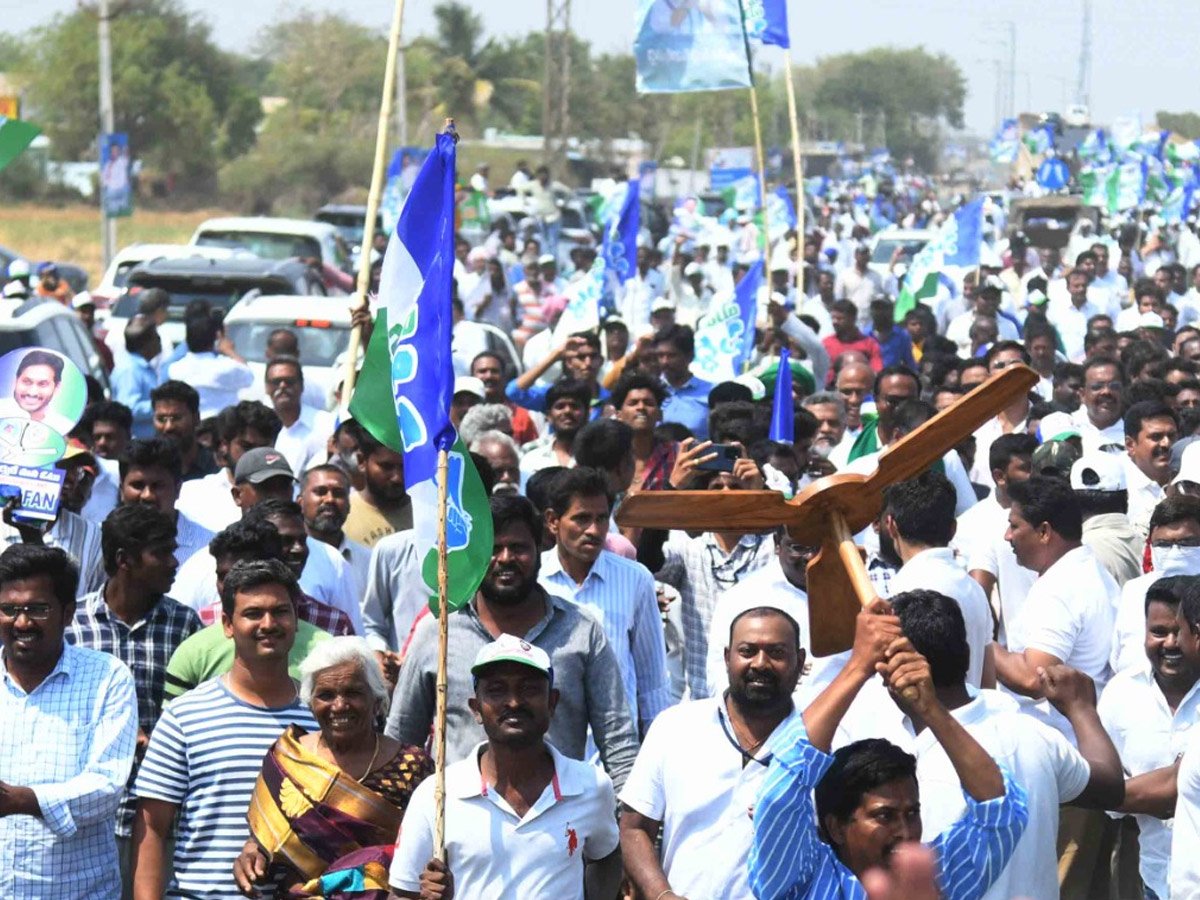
957,243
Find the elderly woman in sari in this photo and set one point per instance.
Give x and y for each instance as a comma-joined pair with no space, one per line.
327,807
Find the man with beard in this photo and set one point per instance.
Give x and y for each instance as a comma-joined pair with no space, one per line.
383,506
176,415
325,502
567,404
549,832
699,770
829,409
867,801
305,431
1099,418
510,601
1151,429
1149,708
618,591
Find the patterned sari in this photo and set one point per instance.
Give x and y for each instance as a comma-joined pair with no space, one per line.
330,836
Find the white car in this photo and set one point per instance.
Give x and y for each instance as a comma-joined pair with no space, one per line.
321,325
886,243
115,280
275,238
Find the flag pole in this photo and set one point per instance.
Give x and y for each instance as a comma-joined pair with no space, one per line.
439,748
359,301
762,176
798,166
443,576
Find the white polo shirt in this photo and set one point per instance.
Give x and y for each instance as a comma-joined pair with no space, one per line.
1129,630
1144,495
1148,736
1069,614
936,569
493,853
689,775
980,540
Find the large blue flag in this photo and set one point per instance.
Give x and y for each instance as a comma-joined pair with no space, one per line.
621,233
783,409
415,287
964,236
725,334
689,46
766,21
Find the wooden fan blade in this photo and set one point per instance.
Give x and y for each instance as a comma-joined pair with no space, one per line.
706,510
833,603
916,452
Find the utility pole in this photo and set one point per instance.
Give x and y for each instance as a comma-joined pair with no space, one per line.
1012,69
1083,82
556,81
108,225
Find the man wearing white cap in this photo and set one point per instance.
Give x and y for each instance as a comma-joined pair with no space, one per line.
1098,480
522,820
1151,429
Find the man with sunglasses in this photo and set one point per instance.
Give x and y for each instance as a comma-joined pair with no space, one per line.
70,726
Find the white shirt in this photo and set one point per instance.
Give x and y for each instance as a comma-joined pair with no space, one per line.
1094,437
953,469
691,776
959,331
1144,495
1185,838
105,491
1148,736
208,501
304,443
1069,614
770,588
1071,322
980,540
496,854
985,435
216,378
936,569
1129,632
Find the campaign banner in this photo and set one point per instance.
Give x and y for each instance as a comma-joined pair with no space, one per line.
38,490
683,47
116,188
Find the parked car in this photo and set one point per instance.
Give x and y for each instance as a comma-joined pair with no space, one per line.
348,219
47,323
74,275
910,241
222,282
115,280
272,238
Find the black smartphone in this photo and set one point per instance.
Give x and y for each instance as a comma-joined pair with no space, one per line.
726,456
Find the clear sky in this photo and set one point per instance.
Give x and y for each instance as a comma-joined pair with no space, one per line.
1142,56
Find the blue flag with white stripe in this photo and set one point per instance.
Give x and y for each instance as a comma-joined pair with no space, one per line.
621,233
963,241
766,21
415,287
725,333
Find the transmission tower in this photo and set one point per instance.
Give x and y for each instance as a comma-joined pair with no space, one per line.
556,83
1083,84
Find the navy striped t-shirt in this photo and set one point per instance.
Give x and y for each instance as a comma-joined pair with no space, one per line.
205,756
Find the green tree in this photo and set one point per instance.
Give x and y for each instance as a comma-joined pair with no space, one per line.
175,92
1185,124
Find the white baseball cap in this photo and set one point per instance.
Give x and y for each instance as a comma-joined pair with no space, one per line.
469,384
1151,319
509,648
1057,426
1098,471
1189,464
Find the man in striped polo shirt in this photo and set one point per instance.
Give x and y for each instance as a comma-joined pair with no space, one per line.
207,750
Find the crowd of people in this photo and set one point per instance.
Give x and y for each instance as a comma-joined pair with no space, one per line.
220,671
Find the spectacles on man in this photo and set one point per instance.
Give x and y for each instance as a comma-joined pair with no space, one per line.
38,612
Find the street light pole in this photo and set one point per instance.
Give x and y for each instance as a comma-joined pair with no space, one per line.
108,225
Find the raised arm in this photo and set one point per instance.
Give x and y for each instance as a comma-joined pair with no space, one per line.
1073,694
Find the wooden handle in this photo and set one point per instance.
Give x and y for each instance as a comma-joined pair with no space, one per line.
857,570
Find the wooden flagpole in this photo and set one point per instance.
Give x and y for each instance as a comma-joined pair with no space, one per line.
798,167
377,172
439,732
762,180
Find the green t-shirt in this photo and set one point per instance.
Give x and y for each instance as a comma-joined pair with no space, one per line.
208,653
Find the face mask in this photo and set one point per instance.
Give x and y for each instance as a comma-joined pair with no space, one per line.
1176,560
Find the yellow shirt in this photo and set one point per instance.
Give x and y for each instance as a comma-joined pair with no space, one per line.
366,523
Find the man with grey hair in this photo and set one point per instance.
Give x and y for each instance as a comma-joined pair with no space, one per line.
829,408
484,417
501,453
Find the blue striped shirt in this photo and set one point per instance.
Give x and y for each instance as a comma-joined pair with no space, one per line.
619,593
205,756
789,859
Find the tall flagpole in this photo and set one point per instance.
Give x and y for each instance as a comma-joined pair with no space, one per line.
377,173
443,575
758,145
798,166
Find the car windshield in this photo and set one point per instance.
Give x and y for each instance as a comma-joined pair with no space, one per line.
222,297
263,245
320,342
910,247
573,218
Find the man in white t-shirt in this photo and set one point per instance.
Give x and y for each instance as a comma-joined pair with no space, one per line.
212,366
1068,615
522,820
979,538
700,768
1150,710
1099,418
1185,838
918,516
